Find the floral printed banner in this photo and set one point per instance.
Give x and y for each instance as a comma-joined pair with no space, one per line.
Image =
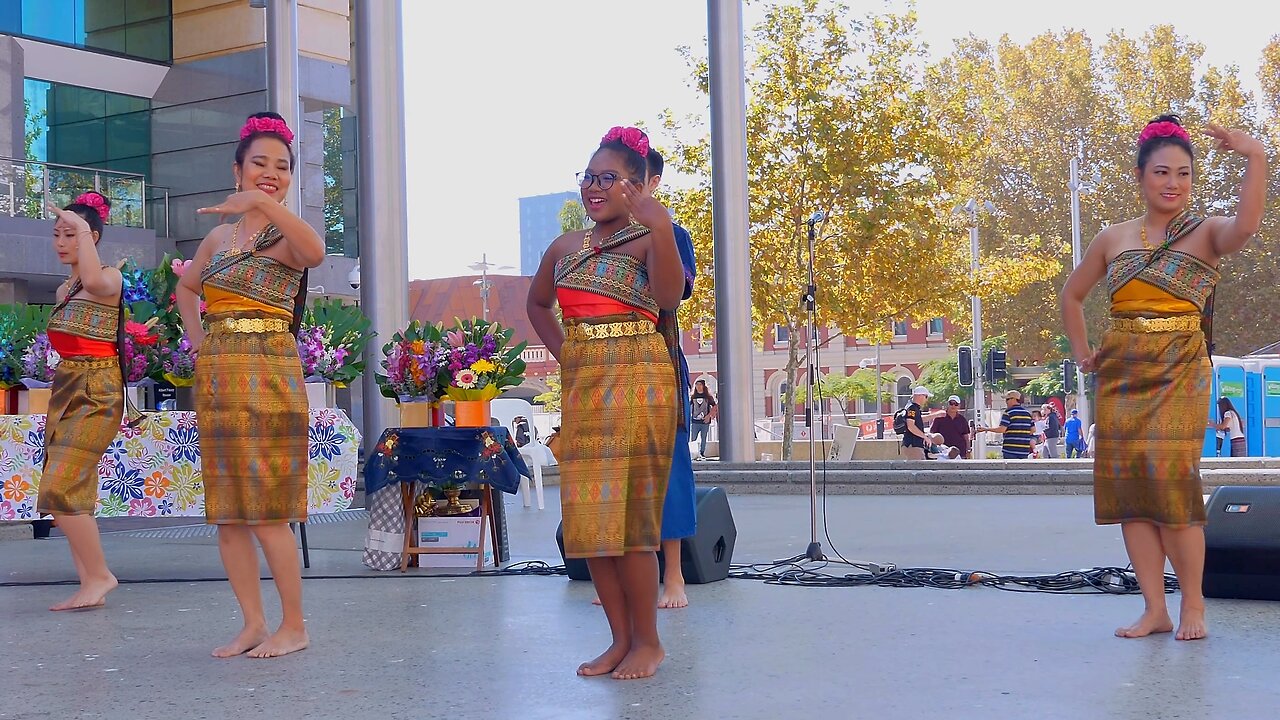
154,470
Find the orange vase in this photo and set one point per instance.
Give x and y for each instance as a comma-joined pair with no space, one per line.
415,413
471,413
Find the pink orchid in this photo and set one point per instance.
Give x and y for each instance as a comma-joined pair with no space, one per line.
180,266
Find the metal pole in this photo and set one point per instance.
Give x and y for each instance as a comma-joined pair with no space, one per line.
730,219
282,77
383,221
1082,402
879,400
979,399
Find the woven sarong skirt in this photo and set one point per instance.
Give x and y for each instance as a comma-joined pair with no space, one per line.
85,411
251,408
1153,397
619,411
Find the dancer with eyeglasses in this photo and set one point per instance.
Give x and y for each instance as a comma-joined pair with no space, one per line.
1153,367
251,403
620,390
87,402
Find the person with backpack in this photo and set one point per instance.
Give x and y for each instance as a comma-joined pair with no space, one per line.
908,423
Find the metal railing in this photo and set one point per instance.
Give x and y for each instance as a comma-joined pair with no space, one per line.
27,187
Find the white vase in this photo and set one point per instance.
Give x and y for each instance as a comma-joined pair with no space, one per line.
321,395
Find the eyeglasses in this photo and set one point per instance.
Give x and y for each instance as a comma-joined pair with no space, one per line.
603,180
953,404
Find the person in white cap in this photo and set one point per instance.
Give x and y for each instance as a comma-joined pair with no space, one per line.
953,427
915,439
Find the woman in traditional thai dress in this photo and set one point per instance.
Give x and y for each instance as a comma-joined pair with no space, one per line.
621,394
1153,367
87,402
251,404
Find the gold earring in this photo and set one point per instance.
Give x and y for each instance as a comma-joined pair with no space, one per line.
237,186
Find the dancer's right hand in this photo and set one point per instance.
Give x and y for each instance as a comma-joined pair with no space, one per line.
1089,363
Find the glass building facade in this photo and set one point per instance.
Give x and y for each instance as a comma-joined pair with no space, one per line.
140,29
88,129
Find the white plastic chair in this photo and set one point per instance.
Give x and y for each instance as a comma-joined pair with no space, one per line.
504,411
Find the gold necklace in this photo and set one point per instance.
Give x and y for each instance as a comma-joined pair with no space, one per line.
1145,244
235,248
586,240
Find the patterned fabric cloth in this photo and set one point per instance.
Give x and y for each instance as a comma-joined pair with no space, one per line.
83,327
445,454
85,410
1153,391
251,399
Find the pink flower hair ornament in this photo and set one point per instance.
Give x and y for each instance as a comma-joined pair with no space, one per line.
633,138
267,125
1164,128
95,201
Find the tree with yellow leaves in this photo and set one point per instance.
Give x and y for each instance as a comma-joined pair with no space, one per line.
837,121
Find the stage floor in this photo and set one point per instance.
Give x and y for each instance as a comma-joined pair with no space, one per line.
386,645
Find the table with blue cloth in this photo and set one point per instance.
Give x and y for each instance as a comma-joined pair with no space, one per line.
413,457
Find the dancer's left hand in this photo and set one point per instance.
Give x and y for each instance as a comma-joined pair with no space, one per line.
238,203
1237,141
643,207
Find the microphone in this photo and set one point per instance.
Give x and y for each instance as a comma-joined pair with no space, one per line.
816,218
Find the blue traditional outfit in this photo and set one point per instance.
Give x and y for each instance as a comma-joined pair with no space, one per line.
1154,382
621,400
679,509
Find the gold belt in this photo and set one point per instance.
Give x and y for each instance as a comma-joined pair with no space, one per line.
1178,323
249,325
608,330
92,363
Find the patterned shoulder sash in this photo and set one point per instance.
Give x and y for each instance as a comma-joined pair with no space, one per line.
267,236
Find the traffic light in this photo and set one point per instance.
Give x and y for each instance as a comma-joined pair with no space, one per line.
996,364
966,366
1069,377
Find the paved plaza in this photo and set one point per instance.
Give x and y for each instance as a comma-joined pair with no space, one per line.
420,646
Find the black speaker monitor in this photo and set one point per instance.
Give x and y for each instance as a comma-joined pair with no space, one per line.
1242,543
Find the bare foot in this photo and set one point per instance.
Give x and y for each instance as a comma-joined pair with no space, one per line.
641,662
596,600
673,596
1191,623
92,594
248,639
607,661
282,642
1157,621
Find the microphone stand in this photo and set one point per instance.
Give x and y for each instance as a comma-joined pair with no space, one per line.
809,299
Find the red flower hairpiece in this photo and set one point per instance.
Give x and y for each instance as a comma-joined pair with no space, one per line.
1164,128
633,138
95,201
267,125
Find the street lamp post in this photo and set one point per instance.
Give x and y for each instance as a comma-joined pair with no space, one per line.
1077,187
483,268
971,208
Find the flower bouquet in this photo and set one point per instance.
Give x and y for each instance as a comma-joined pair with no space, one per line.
481,362
178,363
19,325
332,341
39,363
415,364
141,351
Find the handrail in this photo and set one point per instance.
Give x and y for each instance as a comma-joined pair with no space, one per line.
100,171
34,184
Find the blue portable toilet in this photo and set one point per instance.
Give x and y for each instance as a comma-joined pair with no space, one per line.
1268,368
1230,380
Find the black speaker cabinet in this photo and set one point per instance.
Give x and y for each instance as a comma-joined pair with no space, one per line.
704,558
1242,543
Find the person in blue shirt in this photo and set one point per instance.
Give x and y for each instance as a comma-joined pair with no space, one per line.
1075,435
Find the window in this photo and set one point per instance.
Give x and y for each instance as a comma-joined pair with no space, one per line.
135,28
900,328
781,334
935,326
904,391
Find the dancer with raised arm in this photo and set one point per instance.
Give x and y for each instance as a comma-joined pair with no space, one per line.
621,394
1153,366
251,403
87,402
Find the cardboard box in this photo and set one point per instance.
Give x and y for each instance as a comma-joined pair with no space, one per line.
451,532
34,402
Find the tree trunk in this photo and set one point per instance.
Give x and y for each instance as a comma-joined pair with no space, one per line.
789,397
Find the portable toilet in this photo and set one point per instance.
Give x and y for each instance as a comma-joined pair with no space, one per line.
1269,385
1253,427
1230,380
